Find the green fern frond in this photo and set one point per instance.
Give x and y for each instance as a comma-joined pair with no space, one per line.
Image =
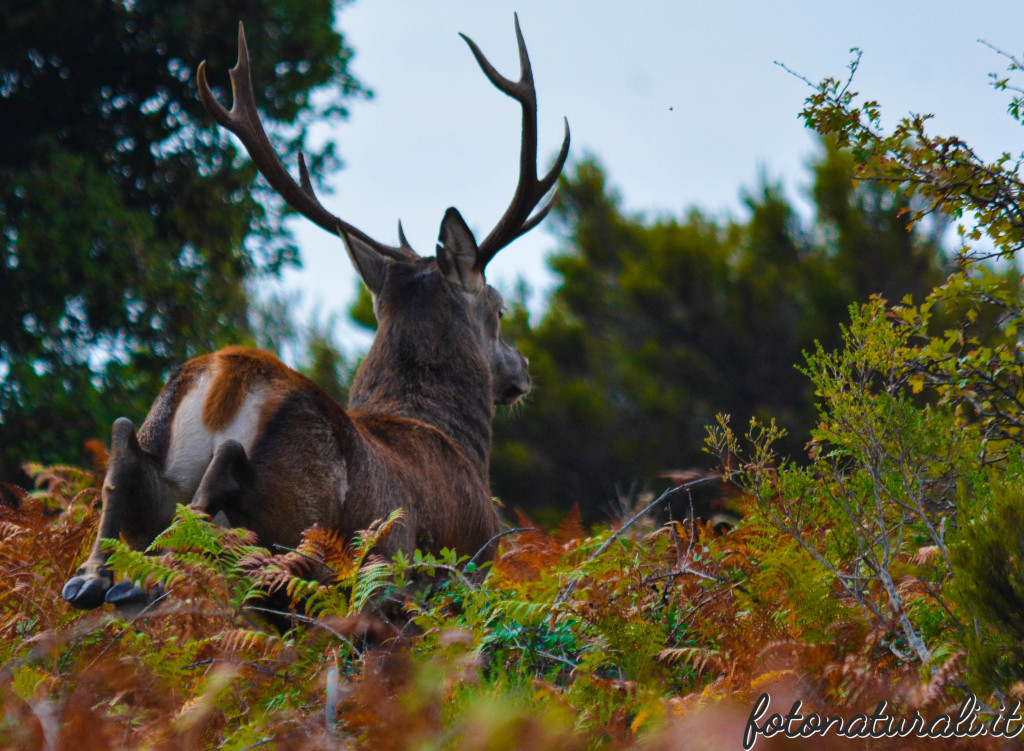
190,531
365,541
370,581
327,601
301,589
137,566
523,613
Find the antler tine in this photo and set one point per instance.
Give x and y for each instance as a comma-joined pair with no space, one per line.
516,220
244,121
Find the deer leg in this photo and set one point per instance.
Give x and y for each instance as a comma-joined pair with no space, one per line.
225,481
130,495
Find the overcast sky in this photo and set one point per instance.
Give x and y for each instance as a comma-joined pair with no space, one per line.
680,100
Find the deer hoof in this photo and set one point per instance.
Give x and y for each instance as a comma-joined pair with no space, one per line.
124,593
130,601
86,592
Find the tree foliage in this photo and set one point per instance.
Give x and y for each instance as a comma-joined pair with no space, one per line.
887,481
130,227
988,578
910,506
656,326
977,364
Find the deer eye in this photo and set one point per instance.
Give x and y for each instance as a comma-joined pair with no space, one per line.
501,312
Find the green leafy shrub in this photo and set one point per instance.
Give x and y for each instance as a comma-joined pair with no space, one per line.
989,578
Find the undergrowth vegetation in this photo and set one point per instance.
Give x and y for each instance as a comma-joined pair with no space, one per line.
645,635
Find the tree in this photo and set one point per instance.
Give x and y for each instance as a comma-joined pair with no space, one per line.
969,374
871,509
657,326
977,365
130,227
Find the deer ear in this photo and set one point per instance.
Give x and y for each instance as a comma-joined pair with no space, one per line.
457,254
370,264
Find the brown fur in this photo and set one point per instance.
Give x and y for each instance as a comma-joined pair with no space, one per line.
236,370
389,460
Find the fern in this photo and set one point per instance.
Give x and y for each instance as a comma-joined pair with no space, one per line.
660,626
324,575
143,568
698,657
364,542
248,643
369,582
192,532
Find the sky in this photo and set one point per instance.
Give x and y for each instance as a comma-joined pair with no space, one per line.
681,101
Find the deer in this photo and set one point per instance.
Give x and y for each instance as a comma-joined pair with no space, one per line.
240,436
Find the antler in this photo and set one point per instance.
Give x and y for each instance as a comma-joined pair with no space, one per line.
244,121
517,220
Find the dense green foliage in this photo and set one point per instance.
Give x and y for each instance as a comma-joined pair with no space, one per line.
977,363
910,507
657,326
989,578
121,205
889,480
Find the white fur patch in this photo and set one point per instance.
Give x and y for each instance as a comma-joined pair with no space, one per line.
192,445
245,424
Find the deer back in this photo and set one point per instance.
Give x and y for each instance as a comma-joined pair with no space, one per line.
313,462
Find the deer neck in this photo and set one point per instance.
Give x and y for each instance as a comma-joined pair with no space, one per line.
437,383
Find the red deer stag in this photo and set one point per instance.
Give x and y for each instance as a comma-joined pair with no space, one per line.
242,437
